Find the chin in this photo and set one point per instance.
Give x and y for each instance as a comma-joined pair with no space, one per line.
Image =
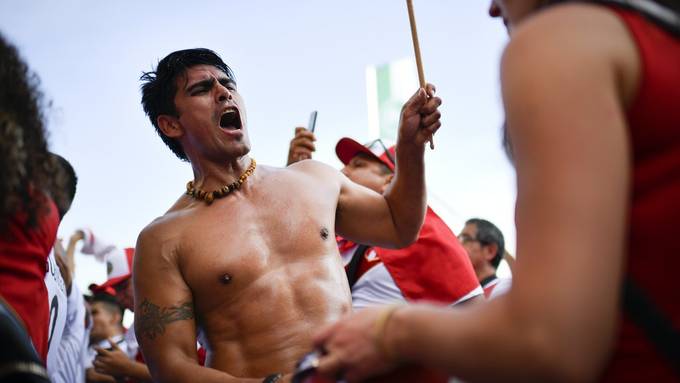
237,150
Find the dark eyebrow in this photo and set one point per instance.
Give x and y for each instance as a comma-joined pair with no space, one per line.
226,81
207,83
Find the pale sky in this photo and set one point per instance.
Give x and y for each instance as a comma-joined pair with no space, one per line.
290,57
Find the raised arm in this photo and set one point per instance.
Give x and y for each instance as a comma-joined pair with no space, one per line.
394,218
565,84
78,235
164,314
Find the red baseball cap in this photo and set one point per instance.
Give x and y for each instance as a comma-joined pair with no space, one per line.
120,269
347,148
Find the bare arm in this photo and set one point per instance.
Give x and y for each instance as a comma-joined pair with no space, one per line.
564,100
164,314
71,249
394,218
139,371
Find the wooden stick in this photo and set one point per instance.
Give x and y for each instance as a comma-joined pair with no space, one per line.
416,45
416,48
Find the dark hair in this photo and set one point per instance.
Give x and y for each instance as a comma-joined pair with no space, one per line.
25,164
110,303
487,234
159,86
68,184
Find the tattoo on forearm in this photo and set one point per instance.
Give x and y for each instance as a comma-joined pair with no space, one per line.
153,318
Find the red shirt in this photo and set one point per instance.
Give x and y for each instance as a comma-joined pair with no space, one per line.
653,243
435,268
23,264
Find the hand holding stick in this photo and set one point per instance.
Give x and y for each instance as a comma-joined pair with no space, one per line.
416,48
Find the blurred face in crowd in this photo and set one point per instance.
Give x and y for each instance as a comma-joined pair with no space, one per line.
480,254
105,322
125,294
369,172
212,114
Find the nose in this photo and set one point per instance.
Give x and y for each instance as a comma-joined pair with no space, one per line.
494,9
223,93
345,171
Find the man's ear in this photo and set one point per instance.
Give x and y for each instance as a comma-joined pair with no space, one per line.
170,126
490,251
387,180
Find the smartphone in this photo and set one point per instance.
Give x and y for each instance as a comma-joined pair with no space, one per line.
312,121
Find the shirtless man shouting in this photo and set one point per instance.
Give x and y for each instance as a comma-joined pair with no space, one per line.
246,259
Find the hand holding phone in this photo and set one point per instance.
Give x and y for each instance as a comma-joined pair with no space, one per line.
312,121
302,145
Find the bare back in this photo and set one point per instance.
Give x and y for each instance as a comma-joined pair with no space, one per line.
261,269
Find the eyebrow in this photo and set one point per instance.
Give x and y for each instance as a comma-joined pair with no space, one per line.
226,81
208,83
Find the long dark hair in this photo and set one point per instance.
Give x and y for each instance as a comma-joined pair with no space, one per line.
27,171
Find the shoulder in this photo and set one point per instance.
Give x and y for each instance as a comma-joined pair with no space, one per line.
571,33
160,233
311,166
563,20
314,170
569,47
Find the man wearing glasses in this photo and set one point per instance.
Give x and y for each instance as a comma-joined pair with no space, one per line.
435,268
485,245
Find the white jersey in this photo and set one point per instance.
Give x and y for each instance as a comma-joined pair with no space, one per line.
376,286
57,301
92,353
497,287
68,366
131,341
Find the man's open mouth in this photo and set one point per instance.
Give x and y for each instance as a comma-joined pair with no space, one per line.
231,120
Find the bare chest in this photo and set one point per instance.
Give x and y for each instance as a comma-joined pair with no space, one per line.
233,244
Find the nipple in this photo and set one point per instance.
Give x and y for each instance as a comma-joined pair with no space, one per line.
225,279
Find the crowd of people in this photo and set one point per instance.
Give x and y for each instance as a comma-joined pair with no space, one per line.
306,273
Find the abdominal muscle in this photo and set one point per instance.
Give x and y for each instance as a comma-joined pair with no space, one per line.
268,325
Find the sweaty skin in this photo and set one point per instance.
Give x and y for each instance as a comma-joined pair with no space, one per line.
255,273
285,278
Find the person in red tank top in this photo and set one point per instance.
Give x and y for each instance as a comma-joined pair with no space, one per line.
591,97
28,186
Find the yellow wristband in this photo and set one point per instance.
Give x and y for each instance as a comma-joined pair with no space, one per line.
380,329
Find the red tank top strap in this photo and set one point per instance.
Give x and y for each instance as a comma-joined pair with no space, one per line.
653,253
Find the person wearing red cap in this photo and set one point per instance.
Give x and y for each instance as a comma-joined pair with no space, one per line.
119,362
107,332
435,268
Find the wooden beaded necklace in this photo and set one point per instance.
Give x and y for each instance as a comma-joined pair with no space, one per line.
224,191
